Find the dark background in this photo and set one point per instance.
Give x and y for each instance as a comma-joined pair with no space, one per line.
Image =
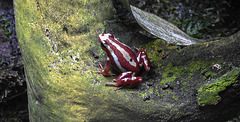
13,93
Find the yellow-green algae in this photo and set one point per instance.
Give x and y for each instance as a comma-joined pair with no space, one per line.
209,93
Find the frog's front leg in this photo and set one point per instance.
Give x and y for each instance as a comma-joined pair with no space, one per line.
105,71
143,59
126,79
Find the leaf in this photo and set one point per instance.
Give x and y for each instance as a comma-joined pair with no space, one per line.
162,28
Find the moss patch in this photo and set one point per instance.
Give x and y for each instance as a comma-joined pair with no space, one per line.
188,71
209,93
159,49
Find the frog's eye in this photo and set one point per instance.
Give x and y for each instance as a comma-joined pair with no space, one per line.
103,45
111,35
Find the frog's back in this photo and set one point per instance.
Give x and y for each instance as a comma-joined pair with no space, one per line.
123,58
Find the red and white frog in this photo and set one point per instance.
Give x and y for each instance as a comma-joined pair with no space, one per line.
124,60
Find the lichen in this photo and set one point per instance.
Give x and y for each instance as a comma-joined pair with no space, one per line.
209,93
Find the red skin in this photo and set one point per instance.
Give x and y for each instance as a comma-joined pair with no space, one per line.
125,80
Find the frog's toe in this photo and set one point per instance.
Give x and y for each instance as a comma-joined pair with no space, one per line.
111,84
104,73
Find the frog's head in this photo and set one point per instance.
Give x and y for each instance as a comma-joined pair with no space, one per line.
105,40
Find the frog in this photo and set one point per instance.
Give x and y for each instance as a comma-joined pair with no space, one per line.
122,58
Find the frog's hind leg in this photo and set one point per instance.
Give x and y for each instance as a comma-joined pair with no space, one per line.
113,84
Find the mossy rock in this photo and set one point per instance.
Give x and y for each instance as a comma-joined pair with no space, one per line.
208,93
58,40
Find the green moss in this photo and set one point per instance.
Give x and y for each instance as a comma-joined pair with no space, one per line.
150,91
208,94
188,71
157,50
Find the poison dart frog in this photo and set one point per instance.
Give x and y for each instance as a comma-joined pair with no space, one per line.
124,60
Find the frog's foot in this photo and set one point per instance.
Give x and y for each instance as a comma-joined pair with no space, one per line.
113,84
118,88
104,72
125,81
